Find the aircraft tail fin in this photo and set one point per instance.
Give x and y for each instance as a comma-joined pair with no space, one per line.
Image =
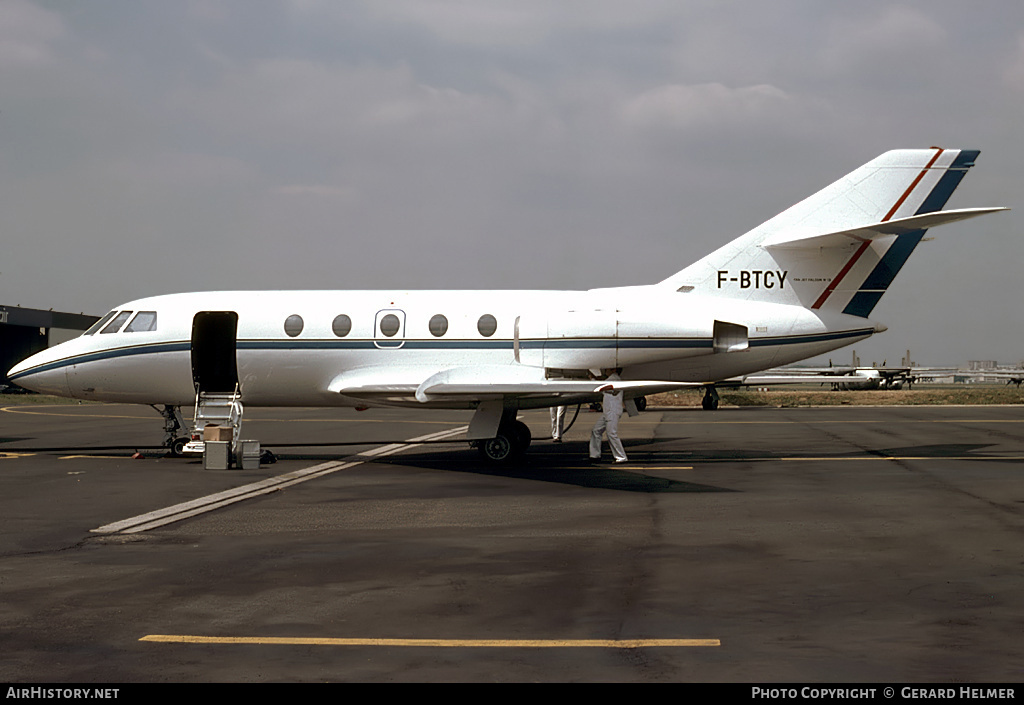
840,248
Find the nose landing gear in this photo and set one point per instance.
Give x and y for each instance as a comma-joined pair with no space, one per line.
174,429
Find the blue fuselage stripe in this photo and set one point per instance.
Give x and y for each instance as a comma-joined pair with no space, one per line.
465,345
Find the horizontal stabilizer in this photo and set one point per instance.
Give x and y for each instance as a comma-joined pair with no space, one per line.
898,226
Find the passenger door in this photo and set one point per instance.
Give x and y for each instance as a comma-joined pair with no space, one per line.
214,341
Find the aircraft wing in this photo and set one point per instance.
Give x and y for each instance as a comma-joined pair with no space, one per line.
931,374
483,382
764,380
833,371
378,380
1010,377
508,380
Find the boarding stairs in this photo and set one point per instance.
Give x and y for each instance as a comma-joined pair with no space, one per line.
221,409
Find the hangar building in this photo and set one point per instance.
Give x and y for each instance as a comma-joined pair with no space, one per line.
26,331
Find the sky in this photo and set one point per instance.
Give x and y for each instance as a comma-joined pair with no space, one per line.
149,147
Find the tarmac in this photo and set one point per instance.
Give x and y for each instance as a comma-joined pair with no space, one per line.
752,545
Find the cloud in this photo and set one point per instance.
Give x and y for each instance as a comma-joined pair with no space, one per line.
500,23
897,41
706,106
27,35
1013,74
305,102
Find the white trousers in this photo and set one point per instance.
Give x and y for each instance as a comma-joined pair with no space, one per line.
557,422
608,423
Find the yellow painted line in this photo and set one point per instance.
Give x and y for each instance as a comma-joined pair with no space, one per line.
442,643
36,411
105,457
630,466
14,455
862,458
847,422
623,466
919,457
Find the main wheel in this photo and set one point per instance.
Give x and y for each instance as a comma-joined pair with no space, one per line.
498,449
709,403
641,403
523,437
511,442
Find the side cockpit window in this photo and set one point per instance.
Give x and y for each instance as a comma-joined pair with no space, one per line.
143,321
100,323
115,325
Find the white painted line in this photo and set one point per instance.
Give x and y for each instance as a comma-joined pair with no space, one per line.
184,510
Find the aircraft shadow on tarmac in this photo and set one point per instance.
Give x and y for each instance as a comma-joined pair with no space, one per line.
572,468
567,463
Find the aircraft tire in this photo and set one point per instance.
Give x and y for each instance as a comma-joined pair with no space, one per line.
511,442
641,403
709,403
499,449
177,448
523,437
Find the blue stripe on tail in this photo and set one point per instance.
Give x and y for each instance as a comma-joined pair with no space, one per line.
863,302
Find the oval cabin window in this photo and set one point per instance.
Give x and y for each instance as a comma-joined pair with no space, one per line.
342,325
487,325
390,324
438,325
293,325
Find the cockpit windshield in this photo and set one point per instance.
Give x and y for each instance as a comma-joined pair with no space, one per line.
143,321
115,325
100,323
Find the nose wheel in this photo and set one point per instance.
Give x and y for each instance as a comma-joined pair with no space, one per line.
177,447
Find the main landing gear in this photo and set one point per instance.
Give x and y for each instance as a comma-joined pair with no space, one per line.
511,442
513,436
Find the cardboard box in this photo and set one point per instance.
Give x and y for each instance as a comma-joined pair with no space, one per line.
217,433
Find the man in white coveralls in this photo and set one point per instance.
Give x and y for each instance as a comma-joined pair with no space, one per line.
611,406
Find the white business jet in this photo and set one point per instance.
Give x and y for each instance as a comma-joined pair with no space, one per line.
797,286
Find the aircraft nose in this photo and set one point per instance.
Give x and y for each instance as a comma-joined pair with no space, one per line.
36,374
